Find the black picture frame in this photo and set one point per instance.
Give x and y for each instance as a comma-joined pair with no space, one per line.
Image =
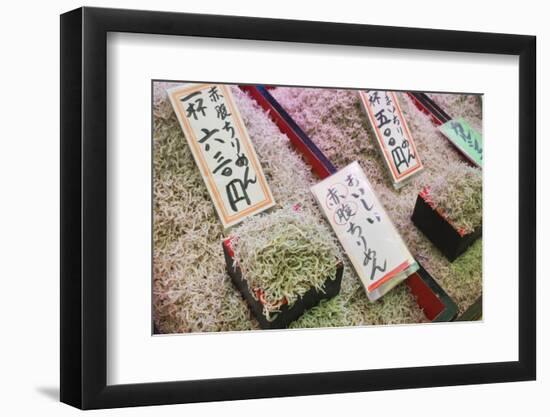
84,207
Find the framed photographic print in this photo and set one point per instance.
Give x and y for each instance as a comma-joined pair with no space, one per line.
255,208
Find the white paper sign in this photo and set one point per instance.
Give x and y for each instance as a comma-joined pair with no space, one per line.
392,134
365,231
222,150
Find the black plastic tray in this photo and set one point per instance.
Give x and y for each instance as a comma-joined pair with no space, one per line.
287,314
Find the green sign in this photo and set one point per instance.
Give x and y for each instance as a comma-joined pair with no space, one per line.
465,138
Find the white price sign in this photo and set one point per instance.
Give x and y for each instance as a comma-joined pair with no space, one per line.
223,151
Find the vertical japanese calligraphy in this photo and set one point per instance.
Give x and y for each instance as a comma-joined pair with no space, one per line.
392,134
222,150
365,231
465,138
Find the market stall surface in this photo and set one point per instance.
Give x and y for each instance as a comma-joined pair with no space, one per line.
191,289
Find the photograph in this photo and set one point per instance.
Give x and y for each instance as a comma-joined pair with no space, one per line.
244,208
299,207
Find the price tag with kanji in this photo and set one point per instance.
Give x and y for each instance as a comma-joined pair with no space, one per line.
392,135
222,149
